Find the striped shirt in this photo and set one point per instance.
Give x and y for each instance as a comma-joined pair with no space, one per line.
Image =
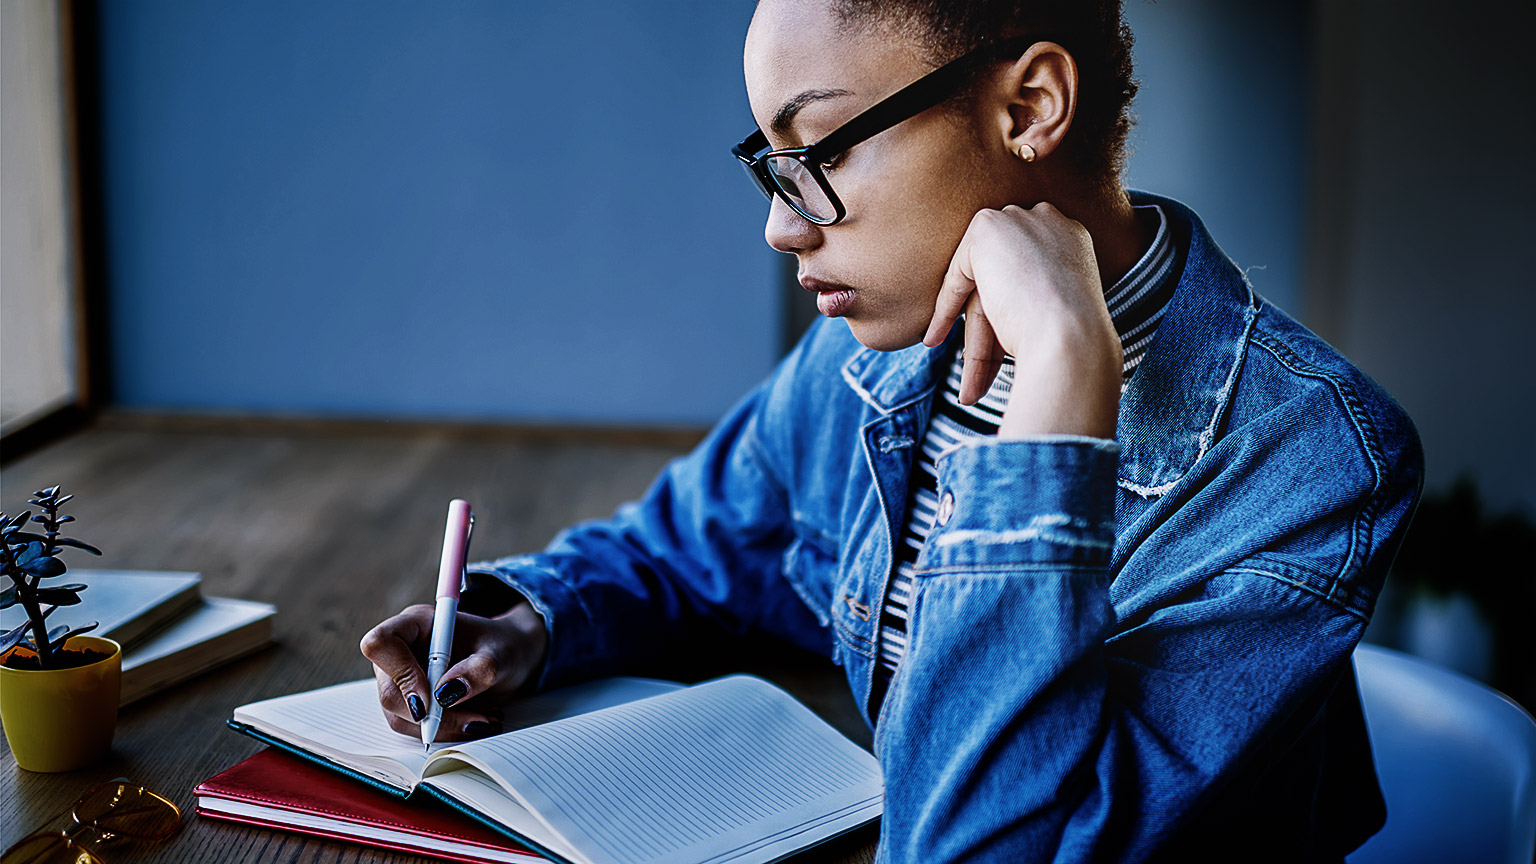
1136,304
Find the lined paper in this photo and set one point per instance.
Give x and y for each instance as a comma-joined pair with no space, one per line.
345,724
689,775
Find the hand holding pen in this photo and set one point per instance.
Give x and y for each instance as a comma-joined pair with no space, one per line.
450,579
499,655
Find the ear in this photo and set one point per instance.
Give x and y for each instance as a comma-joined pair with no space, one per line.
1036,99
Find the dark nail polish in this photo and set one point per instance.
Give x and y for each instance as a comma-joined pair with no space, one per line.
451,692
480,728
418,709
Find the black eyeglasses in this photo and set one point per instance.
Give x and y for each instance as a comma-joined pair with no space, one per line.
796,174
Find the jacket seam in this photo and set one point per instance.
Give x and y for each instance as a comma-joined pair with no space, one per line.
1303,586
1360,534
1223,400
1006,567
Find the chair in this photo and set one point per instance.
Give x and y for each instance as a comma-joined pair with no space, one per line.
1457,763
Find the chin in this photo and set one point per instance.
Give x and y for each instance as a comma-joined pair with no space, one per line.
886,335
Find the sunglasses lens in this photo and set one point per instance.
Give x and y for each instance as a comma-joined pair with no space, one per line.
801,189
127,810
48,849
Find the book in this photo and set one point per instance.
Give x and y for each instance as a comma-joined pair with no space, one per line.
127,604
272,789
610,772
214,632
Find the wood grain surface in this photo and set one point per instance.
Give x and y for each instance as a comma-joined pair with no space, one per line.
339,528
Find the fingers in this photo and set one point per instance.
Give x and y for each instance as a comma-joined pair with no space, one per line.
954,293
390,648
467,679
983,356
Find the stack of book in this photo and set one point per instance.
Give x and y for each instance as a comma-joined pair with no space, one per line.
168,630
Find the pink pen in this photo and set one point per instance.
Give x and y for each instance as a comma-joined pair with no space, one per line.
450,578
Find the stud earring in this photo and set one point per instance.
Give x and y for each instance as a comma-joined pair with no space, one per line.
1026,152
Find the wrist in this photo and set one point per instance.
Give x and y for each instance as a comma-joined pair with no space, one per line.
1068,385
528,630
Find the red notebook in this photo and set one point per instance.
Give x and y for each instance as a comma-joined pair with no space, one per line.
275,790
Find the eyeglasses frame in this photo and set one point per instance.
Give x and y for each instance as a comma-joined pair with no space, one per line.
903,105
67,835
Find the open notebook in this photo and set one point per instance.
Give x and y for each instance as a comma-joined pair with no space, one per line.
620,771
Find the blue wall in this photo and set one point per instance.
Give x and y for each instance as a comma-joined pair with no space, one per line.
528,212
1223,125
471,209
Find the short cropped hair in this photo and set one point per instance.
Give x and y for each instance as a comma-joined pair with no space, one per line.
1093,31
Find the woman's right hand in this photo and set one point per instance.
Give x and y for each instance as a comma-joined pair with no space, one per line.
496,657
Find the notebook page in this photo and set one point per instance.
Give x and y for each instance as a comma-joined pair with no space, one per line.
342,723
702,774
483,795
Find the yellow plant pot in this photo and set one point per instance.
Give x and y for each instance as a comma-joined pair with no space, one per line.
62,719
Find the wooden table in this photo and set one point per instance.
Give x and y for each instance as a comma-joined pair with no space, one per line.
339,527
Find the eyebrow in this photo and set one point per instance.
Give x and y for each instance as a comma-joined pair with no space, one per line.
785,116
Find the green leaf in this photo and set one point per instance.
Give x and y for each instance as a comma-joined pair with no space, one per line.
11,637
25,537
32,552
63,519
45,568
22,519
57,596
76,631
8,597
65,498
73,586
70,541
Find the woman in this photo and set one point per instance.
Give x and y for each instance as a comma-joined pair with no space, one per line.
1096,590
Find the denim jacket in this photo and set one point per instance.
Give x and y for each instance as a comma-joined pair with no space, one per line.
1117,650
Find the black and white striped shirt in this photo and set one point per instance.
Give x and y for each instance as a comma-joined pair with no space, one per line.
1136,304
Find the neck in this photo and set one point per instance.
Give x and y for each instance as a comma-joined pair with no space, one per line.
1119,237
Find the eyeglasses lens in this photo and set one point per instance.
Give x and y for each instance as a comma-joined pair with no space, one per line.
113,809
49,849
131,811
801,188
757,180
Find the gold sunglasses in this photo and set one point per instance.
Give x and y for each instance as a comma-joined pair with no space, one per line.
116,808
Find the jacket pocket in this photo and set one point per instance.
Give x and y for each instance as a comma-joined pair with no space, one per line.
809,569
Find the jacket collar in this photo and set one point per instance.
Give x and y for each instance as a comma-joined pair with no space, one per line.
1170,413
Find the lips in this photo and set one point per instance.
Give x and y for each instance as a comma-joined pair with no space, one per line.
833,299
822,286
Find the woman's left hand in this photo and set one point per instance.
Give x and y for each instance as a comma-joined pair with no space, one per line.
1028,283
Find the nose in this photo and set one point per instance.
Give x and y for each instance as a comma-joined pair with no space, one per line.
788,231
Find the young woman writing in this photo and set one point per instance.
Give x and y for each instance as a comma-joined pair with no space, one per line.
1091,527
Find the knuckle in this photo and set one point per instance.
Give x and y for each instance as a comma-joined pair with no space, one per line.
405,680
482,669
372,641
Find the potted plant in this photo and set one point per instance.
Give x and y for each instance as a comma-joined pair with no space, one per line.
58,688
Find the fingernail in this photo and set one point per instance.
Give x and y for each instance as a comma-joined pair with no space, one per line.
480,728
418,709
451,692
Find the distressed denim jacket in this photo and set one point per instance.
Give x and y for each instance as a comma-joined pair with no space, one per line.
1118,651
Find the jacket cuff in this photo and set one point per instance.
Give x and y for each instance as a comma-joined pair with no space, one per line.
572,636
1006,503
